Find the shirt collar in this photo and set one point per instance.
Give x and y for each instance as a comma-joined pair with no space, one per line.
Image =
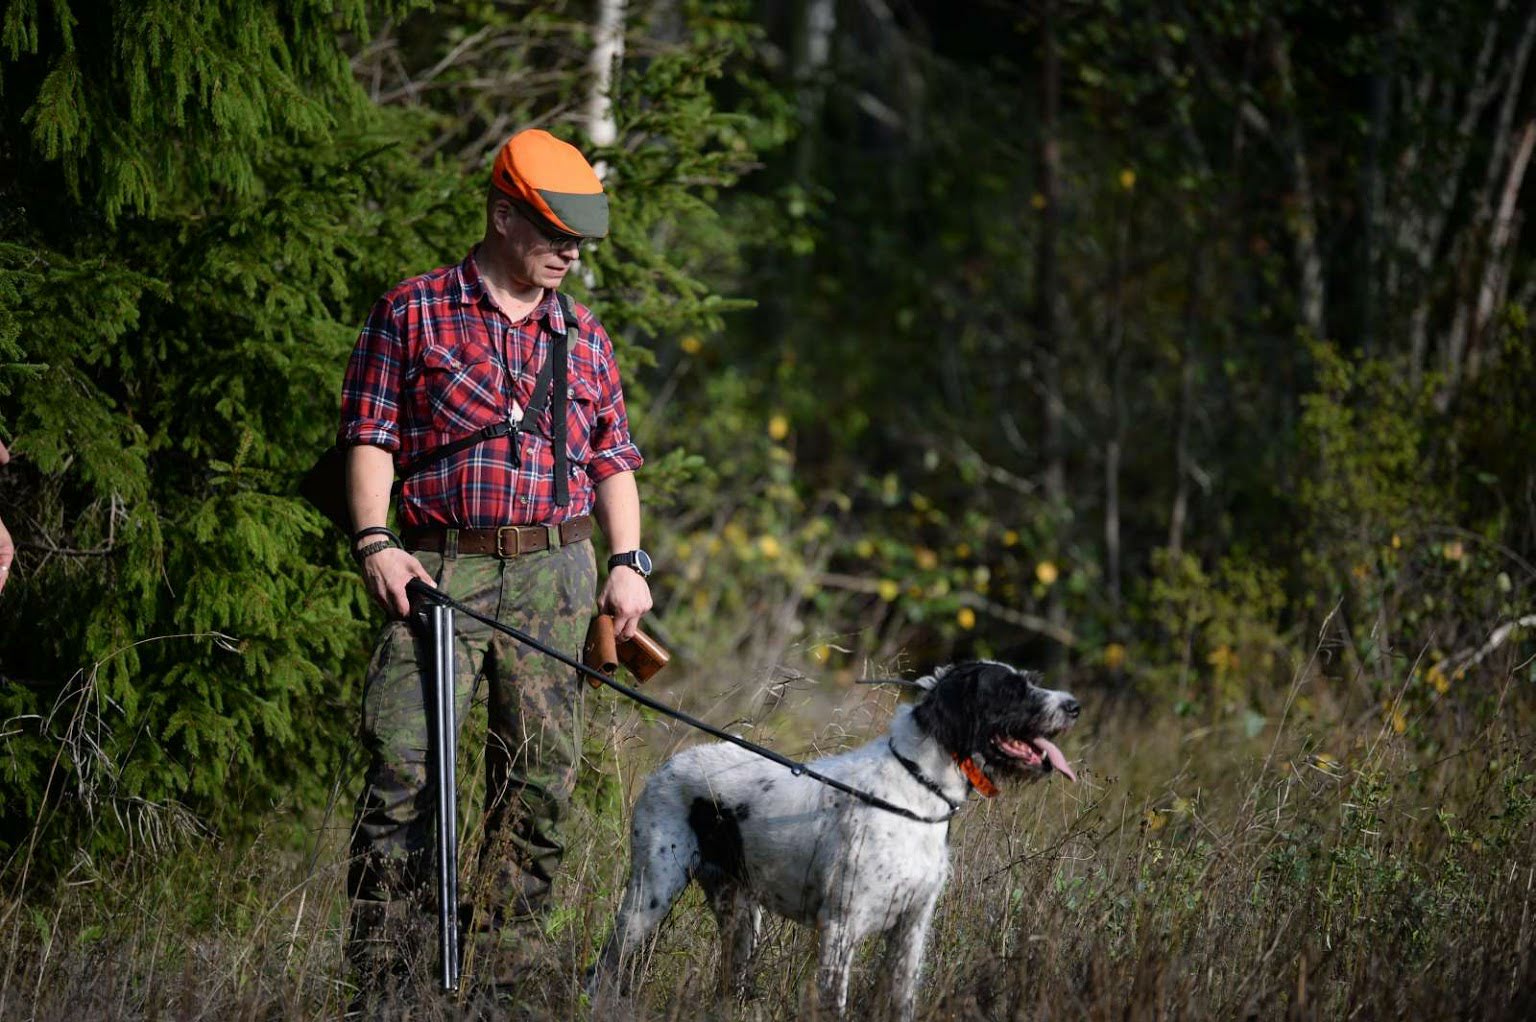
472,292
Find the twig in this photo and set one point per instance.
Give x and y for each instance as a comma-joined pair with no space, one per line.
1496,638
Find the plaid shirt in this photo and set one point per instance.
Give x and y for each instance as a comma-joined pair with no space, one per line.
437,360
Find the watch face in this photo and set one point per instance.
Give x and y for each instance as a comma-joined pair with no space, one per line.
637,559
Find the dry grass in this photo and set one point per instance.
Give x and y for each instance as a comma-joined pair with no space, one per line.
1306,862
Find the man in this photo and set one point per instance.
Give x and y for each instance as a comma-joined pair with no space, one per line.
441,356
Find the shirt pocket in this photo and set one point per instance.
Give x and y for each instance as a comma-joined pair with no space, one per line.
462,387
583,402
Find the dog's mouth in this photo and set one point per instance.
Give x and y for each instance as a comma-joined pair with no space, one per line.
1038,753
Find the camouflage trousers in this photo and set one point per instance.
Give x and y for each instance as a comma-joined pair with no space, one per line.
533,735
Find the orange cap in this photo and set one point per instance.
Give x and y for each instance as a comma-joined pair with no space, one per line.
555,179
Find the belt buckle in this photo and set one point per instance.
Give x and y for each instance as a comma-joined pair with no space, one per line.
500,549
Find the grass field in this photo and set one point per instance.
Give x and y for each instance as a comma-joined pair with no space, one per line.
1337,854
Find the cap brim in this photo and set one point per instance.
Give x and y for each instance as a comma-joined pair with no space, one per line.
584,215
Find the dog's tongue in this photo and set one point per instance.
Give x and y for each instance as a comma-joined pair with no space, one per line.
1033,749
1054,755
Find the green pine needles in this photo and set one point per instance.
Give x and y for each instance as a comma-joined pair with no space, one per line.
198,202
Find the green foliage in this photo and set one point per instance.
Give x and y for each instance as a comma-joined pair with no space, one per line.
190,633
828,290
1214,638
205,202
1370,471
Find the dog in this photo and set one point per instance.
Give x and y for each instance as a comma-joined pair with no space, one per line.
754,835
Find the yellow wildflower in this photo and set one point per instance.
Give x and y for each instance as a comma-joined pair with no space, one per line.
778,427
1046,573
1114,656
1127,179
1438,681
966,618
691,345
889,589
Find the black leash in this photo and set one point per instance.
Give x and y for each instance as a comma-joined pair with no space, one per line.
428,594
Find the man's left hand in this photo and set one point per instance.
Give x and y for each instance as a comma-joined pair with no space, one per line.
627,597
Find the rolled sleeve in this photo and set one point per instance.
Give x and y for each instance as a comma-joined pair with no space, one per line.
370,401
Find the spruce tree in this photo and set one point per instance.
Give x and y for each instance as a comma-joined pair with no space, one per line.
199,199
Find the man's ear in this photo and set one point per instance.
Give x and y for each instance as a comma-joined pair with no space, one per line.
499,214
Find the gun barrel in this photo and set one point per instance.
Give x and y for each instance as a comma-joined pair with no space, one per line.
447,795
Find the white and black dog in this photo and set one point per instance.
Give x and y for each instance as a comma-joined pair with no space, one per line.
756,836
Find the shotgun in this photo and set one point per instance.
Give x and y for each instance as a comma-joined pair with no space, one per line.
445,753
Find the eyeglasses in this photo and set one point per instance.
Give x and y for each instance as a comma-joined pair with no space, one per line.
558,240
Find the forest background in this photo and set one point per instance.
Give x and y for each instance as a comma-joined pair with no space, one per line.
1180,350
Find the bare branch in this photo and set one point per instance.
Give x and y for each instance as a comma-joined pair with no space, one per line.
1496,638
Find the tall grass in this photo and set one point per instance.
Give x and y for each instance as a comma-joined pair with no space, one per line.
1317,858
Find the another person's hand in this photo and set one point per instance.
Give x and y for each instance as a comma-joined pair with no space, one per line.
627,596
7,548
386,573
7,554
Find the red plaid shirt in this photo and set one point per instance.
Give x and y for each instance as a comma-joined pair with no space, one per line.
437,360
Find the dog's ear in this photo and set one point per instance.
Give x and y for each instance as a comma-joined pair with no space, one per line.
948,711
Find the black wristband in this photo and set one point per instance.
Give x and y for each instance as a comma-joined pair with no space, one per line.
368,551
376,530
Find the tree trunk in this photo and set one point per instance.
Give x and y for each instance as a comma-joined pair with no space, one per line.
1117,412
602,67
1303,216
1371,186
1047,328
812,55
1183,463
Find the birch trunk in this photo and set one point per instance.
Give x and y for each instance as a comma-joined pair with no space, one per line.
1183,462
1303,218
602,67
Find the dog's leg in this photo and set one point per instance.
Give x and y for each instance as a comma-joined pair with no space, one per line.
740,918
905,945
834,962
659,872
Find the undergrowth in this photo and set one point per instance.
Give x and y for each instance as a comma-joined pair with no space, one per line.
1320,857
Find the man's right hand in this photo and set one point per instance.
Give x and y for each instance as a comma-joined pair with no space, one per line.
386,573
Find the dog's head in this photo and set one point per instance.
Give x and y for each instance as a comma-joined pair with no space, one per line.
997,716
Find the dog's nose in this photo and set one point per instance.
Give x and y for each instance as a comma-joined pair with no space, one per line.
1072,707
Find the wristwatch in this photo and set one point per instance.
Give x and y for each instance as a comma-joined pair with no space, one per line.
639,560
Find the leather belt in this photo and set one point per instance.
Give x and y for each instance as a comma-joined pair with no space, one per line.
505,542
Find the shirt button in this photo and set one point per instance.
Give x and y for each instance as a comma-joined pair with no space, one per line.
570,391
527,500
